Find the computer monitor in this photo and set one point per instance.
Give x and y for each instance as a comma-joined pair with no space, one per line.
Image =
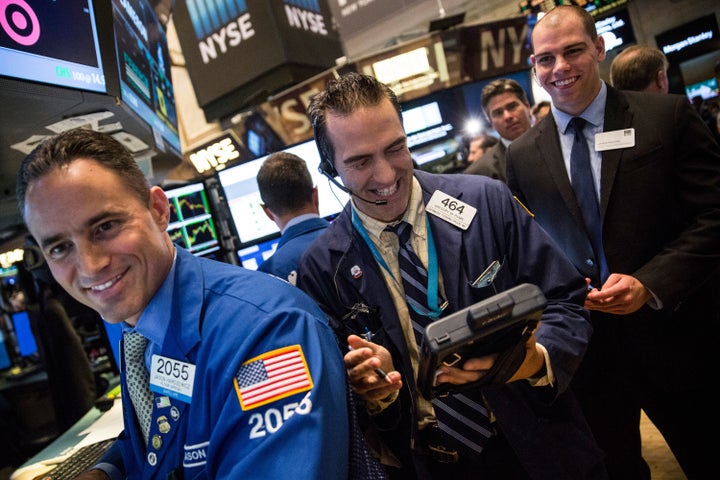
191,220
253,256
27,346
144,68
706,89
240,188
35,44
5,362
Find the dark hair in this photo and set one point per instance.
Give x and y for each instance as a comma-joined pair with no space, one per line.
62,149
636,67
587,20
486,141
541,104
499,86
342,96
285,183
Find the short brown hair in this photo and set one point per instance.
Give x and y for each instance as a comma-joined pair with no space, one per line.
636,67
285,183
342,96
502,85
64,148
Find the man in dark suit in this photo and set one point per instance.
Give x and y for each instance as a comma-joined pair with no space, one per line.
459,225
508,110
656,173
641,68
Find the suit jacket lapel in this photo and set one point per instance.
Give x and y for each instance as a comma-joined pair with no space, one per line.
617,117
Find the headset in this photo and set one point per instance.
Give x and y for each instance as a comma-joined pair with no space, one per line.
327,168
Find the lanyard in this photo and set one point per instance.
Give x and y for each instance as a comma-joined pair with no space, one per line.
432,297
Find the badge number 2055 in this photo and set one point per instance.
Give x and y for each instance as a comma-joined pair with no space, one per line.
172,368
273,419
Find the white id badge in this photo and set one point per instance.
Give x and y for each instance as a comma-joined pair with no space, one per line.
172,377
615,140
451,209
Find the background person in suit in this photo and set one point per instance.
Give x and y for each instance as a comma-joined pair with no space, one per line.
479,146
291,201
641,68
539,110
353,272
659,197
508,110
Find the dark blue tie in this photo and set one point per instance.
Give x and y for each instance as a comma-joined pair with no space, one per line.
582,182
463,420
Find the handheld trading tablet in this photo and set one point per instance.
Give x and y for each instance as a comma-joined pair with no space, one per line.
499,324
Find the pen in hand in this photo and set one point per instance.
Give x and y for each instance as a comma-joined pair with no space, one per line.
378,371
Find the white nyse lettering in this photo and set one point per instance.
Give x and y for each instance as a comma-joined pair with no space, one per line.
306,20
230,35
488,47
290,114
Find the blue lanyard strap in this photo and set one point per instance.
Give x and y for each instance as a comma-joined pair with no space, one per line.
432,299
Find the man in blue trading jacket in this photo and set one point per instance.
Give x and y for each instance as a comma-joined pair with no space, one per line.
461,224
291,201
246,374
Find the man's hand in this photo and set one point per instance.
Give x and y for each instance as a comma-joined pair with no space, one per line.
361,363
621,294
475,368
92,475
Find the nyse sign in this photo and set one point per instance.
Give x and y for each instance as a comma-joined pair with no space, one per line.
496,48
216,154
292,107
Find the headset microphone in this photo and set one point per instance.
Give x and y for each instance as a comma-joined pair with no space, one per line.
328,169
348,191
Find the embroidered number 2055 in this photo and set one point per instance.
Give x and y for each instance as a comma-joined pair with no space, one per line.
273,418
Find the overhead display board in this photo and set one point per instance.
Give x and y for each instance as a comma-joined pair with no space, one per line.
240,52
353,16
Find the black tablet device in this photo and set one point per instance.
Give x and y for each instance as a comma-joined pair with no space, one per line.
493,325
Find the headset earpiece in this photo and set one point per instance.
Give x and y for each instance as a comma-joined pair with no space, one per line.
326,167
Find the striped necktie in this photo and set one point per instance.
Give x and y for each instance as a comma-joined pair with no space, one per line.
582,182
138,380
463,420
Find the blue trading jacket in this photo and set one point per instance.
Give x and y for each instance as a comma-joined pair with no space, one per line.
293,243
226,323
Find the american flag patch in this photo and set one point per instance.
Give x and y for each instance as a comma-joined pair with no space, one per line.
272,376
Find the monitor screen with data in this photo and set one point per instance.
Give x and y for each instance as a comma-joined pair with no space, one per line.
191,221
35,43
241,191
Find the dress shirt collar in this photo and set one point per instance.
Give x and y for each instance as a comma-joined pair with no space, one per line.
298,219
414,215
594,114
155,318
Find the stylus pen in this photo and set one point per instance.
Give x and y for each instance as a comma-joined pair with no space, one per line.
378,371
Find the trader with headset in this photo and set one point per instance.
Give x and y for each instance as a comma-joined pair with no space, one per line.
460,224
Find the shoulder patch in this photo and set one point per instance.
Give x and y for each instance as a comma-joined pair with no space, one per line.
272,376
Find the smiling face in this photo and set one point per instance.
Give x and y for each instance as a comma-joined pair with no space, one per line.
372,158
510,117
567,60
103,245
